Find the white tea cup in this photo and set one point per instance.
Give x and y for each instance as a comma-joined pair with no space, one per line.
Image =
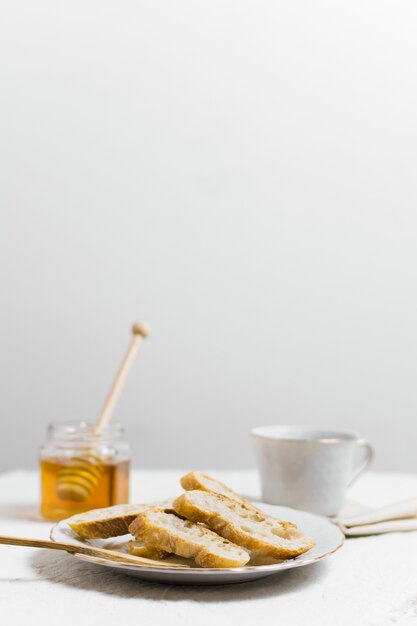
308,468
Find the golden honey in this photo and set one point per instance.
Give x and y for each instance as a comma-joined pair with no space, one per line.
81,470
112,488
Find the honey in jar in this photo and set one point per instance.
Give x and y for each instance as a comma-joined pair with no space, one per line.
82,469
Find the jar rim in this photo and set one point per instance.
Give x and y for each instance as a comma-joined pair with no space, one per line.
83,430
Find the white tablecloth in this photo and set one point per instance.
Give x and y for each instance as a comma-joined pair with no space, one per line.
370,581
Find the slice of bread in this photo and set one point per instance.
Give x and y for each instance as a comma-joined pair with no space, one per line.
138,548
168,532
205,482
242,525
112,521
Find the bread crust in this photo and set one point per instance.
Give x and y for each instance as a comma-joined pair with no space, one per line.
243,525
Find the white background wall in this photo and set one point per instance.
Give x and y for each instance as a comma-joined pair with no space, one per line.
240,173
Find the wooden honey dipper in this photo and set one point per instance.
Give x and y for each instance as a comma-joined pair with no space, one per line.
77,480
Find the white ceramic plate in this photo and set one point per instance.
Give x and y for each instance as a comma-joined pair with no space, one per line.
329,538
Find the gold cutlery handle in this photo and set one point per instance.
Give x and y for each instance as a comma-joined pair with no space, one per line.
102,553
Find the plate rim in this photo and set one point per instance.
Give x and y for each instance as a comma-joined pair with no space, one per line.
200,571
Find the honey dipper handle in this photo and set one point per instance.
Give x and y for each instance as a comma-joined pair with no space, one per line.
140,330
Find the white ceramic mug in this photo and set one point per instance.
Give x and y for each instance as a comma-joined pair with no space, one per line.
308,468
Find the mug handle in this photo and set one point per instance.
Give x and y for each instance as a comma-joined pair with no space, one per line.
366,458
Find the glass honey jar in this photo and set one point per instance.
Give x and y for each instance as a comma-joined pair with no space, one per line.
82,469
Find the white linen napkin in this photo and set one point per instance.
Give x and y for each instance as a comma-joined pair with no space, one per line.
397,517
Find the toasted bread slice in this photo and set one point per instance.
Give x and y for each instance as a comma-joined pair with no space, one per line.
138,548
205,482
112,521
168,532
242,525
